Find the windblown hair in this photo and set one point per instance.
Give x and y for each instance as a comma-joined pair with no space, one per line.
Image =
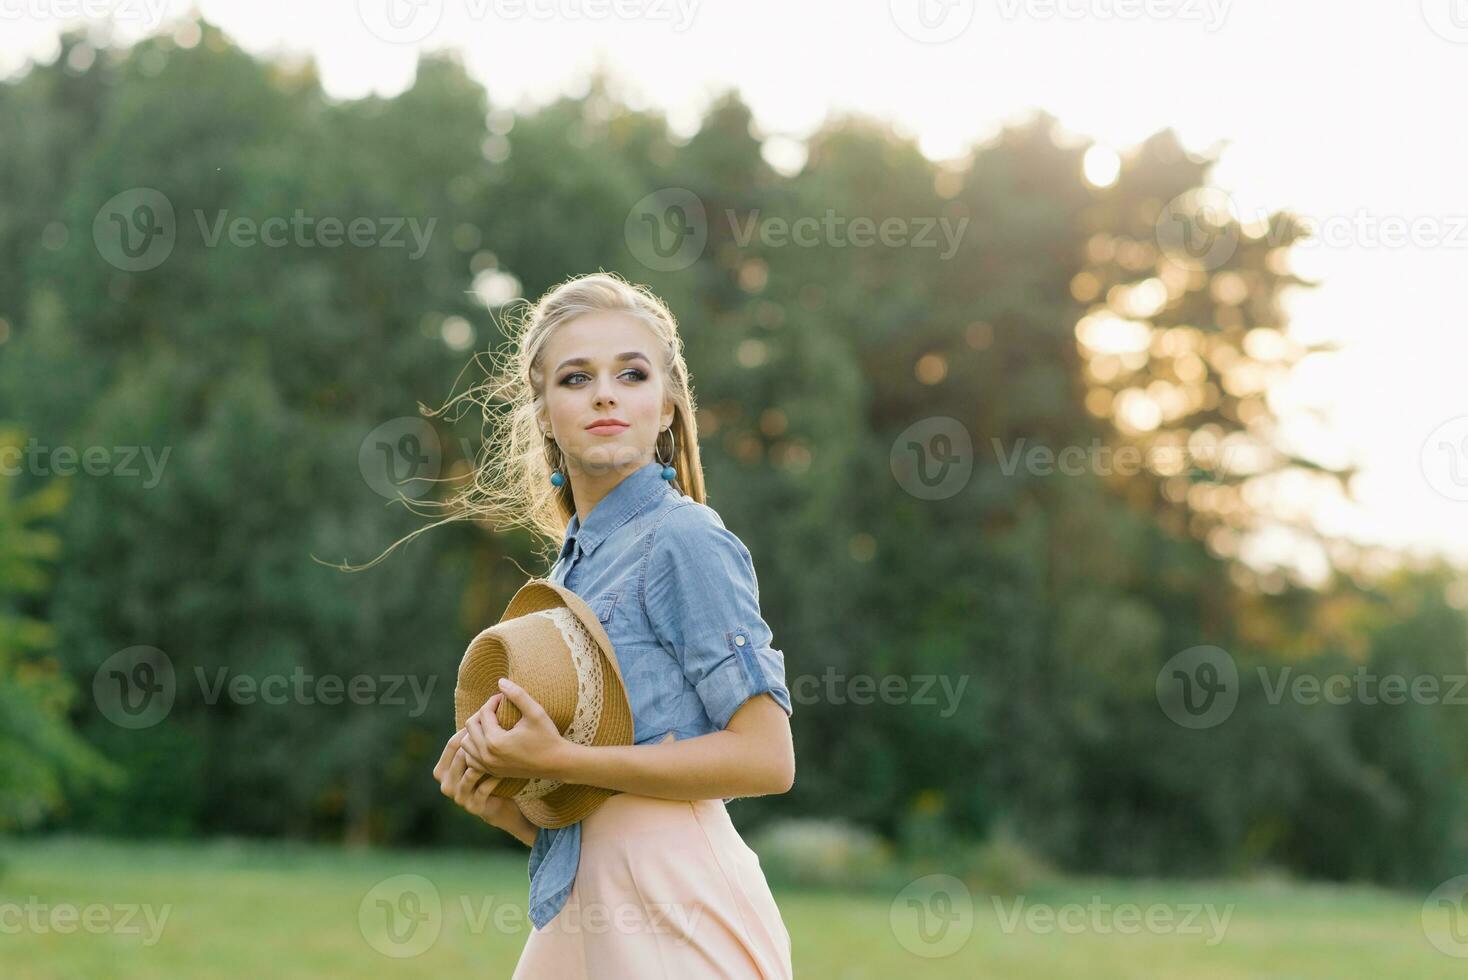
511,479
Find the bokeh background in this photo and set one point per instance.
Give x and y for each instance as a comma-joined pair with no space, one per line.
1084,381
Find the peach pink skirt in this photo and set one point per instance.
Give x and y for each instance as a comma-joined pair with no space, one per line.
665,888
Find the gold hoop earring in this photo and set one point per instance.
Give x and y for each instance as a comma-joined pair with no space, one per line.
670,472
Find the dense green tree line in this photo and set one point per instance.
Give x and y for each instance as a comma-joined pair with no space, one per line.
262,381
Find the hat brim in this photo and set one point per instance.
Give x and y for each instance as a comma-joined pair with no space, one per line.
486,661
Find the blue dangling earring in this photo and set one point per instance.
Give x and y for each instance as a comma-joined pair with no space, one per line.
557,478
669,472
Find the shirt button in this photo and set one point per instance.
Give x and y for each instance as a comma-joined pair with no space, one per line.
739,641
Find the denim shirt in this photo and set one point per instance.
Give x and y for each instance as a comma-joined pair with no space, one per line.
677,594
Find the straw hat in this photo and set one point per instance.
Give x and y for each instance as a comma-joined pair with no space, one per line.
551,644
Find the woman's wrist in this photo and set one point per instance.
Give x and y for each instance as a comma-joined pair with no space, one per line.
567,766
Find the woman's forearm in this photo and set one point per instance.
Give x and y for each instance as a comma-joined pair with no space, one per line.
713,766
522,829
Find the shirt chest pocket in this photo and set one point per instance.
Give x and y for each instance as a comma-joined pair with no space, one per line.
603,605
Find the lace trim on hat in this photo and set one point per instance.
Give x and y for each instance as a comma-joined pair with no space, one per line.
586,656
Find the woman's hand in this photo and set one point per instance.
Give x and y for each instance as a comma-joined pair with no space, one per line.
531,748
470,788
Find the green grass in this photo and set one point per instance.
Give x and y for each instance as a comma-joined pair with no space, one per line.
255,910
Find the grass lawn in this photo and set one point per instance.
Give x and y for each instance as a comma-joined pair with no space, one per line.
81,908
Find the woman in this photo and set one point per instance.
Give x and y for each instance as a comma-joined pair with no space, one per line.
601,439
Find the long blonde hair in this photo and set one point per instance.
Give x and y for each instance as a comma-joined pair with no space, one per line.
511,479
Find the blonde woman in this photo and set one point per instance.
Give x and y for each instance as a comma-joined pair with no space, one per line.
599,449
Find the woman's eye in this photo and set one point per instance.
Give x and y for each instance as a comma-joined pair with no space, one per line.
637,375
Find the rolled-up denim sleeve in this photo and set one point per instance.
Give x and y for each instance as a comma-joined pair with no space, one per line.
703,602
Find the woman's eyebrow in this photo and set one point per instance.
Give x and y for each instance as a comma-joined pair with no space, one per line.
583,361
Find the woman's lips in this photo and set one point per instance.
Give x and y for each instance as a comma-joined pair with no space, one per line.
606,429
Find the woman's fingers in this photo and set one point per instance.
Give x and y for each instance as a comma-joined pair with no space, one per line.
454,773
484,782
448,753
462,775
477,739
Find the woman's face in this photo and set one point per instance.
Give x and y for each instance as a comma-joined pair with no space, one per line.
601,367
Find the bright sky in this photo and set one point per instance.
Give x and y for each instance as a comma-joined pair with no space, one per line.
1342,112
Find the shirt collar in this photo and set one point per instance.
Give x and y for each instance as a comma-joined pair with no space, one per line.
624,502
